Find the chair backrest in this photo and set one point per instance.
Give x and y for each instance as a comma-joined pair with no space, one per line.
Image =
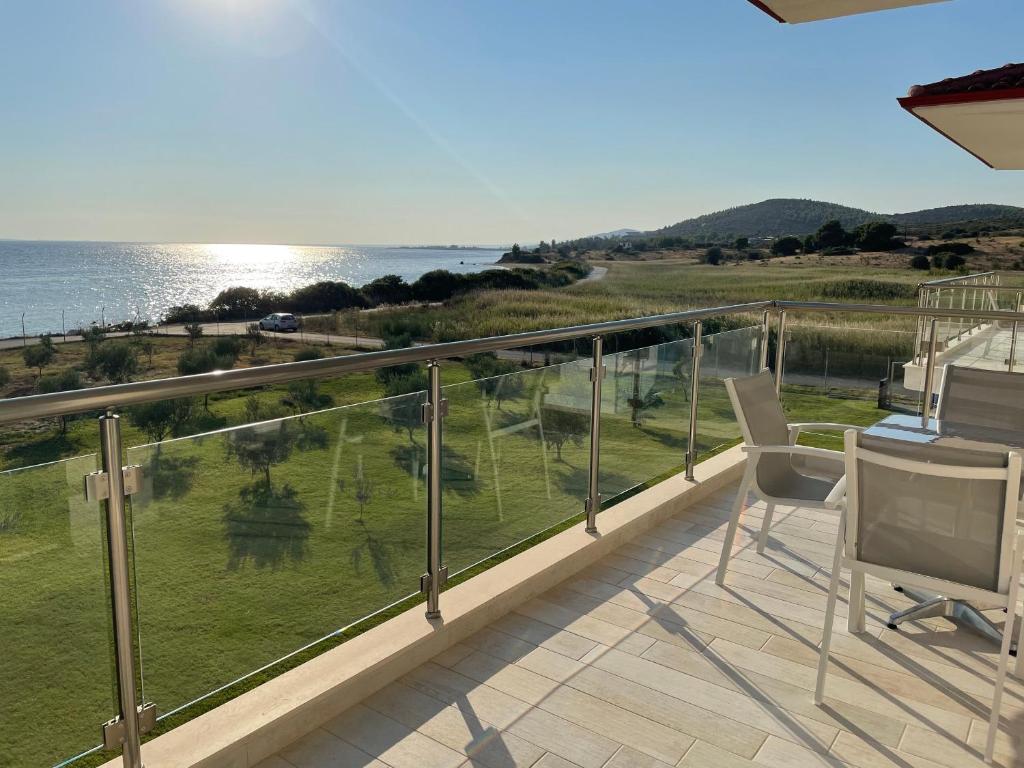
762,422
981,398
936,511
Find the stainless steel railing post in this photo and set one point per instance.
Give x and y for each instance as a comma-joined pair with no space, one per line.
434,411
120,593
1013,335
765,334
593,503
929,374
780,352
691,444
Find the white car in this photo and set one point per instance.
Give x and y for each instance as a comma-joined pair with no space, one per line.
279,321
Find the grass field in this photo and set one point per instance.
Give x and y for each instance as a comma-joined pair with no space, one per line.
238,565
634,289
241,559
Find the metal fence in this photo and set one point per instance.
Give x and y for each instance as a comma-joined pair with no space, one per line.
114,483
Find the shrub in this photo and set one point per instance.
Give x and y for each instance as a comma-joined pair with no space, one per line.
876,236
960,249
953,261
117,361
227,346
194,331
837,250
920,261
39,355
713,255
390,289
786,246
325,296
742,243
831,234
162,417
5,377
307,353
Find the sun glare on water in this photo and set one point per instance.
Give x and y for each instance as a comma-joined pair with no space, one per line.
251,254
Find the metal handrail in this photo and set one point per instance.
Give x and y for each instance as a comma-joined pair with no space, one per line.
954,279
136,393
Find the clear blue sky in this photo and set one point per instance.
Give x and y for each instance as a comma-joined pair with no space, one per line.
470,121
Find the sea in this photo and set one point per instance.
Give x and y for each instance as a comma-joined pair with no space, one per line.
53,286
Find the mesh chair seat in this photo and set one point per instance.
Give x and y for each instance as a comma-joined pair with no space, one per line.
981,398
762,412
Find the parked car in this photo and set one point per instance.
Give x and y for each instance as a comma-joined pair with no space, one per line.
279,321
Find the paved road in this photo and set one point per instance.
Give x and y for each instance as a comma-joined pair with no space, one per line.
221,329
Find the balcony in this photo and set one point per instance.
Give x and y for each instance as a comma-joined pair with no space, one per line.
266,581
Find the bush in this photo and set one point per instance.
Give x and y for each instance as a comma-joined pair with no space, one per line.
39,355
227,346
713,255
953,261
838,250
960,249
876,236
920,261
786,246
831,235
5,377
390,289
324,296
117,361
308,353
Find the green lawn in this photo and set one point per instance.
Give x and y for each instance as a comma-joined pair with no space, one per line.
233,572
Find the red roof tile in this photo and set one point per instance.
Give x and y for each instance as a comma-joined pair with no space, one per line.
1009,77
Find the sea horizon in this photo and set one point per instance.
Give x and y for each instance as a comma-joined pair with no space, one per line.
59,285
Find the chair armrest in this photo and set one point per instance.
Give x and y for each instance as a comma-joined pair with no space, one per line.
800,426
837,495
793,450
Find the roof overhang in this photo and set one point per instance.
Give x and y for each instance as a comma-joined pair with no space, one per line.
799,11
988,124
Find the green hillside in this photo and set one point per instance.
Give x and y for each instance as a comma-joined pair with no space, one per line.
783,216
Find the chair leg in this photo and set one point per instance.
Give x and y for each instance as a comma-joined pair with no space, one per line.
1019,666
830,615
1004,659
734,520
762,539
856,620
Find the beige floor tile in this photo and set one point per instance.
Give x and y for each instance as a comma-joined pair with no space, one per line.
392,742
274,761
736,705
876,698
321,749
672,711
459,728
703,755
554,761
575,706
630,758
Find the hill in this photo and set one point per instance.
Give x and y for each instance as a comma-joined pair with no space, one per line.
781,216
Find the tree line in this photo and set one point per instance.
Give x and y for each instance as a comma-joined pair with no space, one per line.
241,303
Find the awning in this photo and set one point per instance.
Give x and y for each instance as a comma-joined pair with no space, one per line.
798,11
982,112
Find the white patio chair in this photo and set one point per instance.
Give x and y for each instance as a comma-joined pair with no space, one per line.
770,444
938,518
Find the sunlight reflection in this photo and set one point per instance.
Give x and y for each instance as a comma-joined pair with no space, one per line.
247,253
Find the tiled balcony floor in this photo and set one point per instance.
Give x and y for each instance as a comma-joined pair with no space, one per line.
643,661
